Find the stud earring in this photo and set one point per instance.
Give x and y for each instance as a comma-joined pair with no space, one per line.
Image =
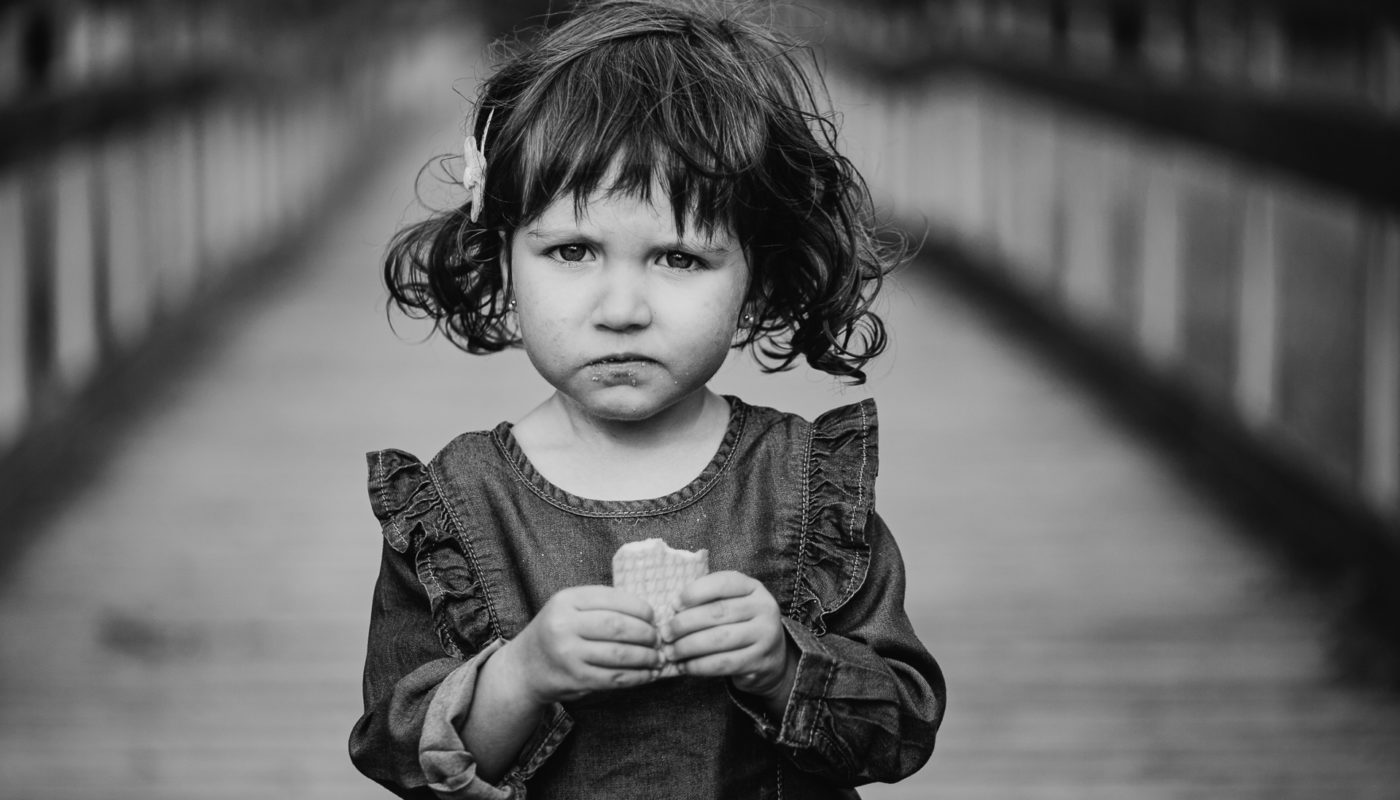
746,321
511,305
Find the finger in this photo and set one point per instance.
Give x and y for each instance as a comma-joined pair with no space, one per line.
614,626
716,586
604,679
710,641
609,598
618,656
725,610
595,679
723,664
701,618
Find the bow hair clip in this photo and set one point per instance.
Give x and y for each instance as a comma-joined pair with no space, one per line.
474,170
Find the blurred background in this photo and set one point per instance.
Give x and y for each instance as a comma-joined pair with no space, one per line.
1142,409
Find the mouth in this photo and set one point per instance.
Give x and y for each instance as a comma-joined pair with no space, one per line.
619,369
619,359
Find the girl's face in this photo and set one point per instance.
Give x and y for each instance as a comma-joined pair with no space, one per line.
620,313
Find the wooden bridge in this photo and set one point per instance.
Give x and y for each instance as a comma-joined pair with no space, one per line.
183,611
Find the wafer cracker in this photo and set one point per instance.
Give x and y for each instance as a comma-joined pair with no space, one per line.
657,572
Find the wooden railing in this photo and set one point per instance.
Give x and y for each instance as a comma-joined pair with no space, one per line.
150,152
1207,194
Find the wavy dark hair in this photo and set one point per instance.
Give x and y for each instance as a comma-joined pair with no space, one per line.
718,113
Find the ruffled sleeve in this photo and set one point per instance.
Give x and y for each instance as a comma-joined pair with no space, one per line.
867,698
417,522
403,498
431,629
839,487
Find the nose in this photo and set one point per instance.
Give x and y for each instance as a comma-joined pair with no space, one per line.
622,302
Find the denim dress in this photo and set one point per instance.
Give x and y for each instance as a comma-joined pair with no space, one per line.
476,541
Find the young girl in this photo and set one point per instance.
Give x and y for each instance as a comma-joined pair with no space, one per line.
647,188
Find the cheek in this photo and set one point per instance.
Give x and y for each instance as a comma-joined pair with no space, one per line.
535,328
720,321
734,305
546,347
533,300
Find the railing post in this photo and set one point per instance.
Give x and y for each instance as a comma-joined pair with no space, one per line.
74,324
1385,90
99,209
1159,325
1258,309
1381,371
13,388
37,201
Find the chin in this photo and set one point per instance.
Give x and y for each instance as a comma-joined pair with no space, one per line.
626,404
624,410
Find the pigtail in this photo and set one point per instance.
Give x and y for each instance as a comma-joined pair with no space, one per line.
447,268
822,258
817,303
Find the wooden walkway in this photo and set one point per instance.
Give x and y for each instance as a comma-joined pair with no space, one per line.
192,624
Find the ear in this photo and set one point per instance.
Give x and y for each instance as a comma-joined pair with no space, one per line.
504,258
748,318
751,312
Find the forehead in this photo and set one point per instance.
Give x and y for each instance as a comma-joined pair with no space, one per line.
636,136
616,207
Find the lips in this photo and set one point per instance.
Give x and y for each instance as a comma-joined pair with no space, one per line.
619,359
619,369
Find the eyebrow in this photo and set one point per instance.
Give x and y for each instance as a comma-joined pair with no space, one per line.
546,233
674,244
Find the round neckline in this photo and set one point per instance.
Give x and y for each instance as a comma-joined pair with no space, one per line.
561,498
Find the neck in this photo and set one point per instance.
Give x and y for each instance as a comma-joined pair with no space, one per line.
695,417
615,460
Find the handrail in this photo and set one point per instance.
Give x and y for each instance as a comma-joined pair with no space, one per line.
82,70
151,154
1342,140
1225,246
1348,149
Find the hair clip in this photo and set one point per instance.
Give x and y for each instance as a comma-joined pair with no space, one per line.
474,170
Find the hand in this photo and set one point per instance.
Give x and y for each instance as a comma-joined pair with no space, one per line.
586,639
728,625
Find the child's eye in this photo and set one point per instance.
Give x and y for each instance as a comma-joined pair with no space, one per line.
675,259
571,252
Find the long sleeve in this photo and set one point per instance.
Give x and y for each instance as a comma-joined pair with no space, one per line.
416,699
404,666
868,697
431,629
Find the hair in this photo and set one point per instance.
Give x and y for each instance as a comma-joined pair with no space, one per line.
714,111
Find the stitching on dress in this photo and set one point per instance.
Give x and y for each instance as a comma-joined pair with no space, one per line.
860,497
826,692
459,532
559,726
427,575
380,479
700,491
864,457
802,531
445,638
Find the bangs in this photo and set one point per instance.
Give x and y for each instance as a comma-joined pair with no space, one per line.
638,116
